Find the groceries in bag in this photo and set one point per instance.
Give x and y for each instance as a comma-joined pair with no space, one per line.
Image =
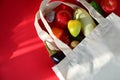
70,26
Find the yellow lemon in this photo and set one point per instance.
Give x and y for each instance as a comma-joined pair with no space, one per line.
74,27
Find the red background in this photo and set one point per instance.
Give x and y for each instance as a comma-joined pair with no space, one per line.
23,55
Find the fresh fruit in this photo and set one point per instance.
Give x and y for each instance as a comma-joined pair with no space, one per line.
63,16
86,20
58,32
74,44
74,27
109,5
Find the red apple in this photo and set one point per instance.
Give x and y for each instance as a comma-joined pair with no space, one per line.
62,17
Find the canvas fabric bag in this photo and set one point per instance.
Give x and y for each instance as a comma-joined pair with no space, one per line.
97,57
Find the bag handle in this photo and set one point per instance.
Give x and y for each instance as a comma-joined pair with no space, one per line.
97,16
43,35
62,46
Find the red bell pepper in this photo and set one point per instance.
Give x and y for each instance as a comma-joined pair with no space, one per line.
109,5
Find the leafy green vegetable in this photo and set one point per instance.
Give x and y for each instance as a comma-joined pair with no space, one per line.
96,6
87,23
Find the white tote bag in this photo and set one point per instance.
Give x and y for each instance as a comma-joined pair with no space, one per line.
97,57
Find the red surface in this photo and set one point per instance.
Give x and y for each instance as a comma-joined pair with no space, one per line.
22,54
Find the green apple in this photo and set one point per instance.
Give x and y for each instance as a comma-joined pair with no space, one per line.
74,27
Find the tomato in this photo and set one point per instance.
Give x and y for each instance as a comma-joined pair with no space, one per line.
109,5
58,32
61,34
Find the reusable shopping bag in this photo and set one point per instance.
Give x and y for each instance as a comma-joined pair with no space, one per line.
97,57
